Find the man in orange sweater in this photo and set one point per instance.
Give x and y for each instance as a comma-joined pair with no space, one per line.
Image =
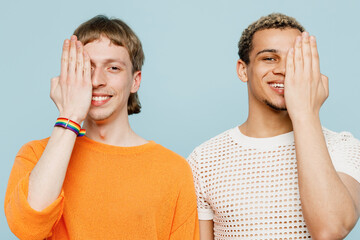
111,183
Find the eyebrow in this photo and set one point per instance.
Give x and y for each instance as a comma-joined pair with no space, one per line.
267,50
110,60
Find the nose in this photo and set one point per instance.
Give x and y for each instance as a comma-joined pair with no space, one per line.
280,67
98,78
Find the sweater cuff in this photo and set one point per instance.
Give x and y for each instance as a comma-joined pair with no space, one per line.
28,223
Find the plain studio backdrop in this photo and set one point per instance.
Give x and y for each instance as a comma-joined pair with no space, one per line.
190,91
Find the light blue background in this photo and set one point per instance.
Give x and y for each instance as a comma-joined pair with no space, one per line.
190,91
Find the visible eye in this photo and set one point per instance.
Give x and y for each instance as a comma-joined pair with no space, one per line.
270,59
114,69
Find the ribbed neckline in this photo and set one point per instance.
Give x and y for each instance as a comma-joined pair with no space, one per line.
283,139
111,149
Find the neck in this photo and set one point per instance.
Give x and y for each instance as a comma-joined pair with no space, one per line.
263,121
115,132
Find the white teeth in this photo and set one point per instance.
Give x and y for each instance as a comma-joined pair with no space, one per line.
99,98
277,85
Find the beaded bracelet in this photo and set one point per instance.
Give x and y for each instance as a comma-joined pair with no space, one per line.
71,125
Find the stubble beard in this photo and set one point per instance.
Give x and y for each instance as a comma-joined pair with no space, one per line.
274,107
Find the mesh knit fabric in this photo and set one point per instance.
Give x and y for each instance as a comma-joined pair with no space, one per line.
249,186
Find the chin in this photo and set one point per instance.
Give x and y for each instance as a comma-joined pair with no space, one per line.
99,116
276,107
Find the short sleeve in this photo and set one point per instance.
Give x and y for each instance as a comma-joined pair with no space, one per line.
204,209
344,150
25,222
185,223
187,230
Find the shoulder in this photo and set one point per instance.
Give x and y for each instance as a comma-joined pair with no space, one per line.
35,146
168,158
213,153
171,167
33,149
337,139
344,150
163,151
329,134
216,142
214,146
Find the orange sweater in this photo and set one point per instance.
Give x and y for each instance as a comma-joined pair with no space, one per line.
109,192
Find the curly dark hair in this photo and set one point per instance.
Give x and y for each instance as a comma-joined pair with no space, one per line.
273,20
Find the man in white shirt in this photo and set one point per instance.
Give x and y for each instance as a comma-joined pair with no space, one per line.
250,181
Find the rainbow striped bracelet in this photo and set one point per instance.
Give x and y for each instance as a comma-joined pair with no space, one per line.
71,125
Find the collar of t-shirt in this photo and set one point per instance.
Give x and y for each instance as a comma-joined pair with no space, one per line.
279,140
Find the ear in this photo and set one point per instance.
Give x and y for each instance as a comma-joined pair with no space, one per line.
241,68
136,82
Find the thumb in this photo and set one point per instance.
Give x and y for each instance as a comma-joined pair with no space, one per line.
325,83
53,85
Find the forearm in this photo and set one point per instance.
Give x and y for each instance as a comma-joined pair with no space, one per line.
206,229
328,208
47,177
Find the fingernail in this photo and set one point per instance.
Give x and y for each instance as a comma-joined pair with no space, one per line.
305,34
78,44
73,38
66,42
312,38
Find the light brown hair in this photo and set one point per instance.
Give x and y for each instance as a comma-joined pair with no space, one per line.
273,20
120,34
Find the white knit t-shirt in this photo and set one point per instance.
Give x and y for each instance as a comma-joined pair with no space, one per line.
249,186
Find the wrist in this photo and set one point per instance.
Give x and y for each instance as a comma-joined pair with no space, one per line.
70,125
73,118
305,120
307,117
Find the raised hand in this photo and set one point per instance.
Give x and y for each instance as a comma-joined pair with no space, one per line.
72,91
306,88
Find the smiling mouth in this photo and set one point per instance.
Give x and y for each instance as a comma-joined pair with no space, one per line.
100,98
277,85
98,101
